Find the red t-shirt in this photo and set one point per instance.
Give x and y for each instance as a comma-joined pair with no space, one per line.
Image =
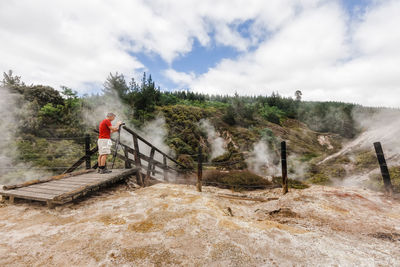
104,129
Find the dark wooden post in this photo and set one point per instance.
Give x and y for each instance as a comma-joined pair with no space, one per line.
87,151
165,168
153,169
384,169
284,168
127,162
199,170
136,154
149,167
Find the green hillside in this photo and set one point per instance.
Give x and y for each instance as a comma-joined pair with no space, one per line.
48,125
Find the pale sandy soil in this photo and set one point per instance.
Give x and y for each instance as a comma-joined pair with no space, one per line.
175,225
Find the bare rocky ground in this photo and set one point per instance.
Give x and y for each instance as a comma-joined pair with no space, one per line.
169,224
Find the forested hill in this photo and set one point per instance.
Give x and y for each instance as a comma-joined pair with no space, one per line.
62,109
40,112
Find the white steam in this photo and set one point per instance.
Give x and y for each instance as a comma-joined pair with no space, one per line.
10,170
382,126
261,160
8,125
218,144
154,131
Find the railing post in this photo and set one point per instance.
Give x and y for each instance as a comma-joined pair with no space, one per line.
149,167
384,169
87,150
284,168
127,162
136,154
153,168
199,170
165,168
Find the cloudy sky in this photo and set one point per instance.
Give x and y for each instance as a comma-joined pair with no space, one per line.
347,50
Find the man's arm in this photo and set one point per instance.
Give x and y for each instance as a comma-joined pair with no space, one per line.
115,128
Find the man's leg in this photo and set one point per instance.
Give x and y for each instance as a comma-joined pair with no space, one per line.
103,159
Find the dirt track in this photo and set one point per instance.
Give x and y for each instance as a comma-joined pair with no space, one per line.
175,225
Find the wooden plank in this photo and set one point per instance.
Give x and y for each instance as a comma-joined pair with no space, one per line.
52,178
59,185
87,188
62,191
69,183
88,179
28,195
55,188
38,190
84,179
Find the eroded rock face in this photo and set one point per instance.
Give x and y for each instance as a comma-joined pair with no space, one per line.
169,224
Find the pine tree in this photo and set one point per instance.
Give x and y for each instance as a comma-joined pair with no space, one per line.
116,84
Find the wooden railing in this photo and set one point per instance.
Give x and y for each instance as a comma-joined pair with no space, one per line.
152,163
144,173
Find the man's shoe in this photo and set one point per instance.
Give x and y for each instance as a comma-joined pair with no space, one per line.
103,171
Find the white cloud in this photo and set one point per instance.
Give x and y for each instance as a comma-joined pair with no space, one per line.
75,42
311,45
180,78
319,52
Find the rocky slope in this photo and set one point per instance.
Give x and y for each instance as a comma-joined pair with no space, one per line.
168,224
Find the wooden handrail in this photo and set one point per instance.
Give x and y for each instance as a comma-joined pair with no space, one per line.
150,145
81,160
143,156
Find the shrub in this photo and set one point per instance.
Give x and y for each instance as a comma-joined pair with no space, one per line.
229,116
366,160
272,114
375,181
236,180
295,184
186,160
319,178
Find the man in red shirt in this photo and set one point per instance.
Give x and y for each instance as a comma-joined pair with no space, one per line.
104,143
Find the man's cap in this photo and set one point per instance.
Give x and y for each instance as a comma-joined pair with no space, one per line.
110,114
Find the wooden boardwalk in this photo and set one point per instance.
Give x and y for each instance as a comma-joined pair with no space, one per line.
61,189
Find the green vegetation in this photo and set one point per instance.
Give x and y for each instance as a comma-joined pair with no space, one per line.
375,181
295,184
47,114
235,180
308,157
366,160
319,178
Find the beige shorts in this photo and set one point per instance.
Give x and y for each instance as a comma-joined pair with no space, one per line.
104,146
